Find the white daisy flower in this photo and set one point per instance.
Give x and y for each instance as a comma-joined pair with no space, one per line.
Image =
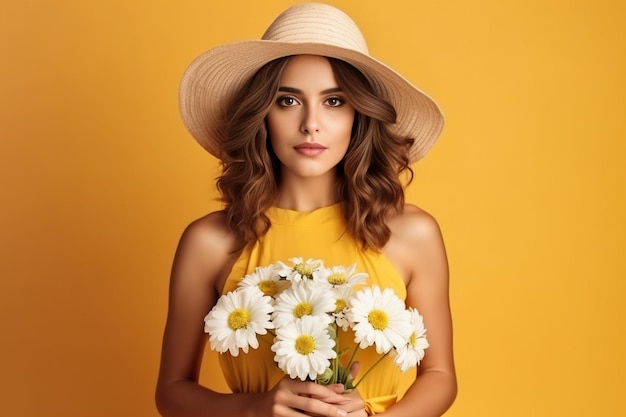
311,270
303,300
340,276
303,348
266,280
237,318
380,318
412,353
341,295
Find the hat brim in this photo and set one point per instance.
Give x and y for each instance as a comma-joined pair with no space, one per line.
214,76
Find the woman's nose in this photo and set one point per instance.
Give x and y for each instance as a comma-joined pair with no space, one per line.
310,122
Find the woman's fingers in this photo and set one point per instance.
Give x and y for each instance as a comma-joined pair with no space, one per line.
294,398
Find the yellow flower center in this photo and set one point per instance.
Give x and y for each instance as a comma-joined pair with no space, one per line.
239,318
378,319
302,309
268,288
337,278
413,339
340,304
305,270
305,344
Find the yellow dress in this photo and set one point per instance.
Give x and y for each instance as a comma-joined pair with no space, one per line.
319,234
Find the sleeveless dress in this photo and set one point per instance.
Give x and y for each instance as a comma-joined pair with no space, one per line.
319,234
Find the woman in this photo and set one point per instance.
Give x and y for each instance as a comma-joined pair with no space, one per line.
313,135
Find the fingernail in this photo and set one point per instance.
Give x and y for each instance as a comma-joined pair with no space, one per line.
342,413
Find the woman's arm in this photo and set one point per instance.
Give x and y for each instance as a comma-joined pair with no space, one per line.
203,259
418,247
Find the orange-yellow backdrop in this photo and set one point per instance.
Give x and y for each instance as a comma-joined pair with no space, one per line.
98,178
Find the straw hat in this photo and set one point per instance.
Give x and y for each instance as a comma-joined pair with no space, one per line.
311,29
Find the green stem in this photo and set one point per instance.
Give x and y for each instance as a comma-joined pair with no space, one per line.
369,370
336,360
356,347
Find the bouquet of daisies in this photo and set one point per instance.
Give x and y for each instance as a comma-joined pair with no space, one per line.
302,308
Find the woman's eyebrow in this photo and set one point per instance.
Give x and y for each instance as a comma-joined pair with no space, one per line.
298,91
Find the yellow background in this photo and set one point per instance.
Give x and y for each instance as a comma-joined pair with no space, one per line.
98,178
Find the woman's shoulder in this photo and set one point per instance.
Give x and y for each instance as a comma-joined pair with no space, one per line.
206,252
210,234
414,225
415,237
415,243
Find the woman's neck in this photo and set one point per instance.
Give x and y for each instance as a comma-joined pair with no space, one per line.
307,193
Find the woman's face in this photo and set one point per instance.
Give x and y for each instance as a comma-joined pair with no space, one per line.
310,122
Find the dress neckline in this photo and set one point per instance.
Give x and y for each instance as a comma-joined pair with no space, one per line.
279,215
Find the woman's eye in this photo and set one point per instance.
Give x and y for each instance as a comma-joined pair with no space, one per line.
334,101
287,101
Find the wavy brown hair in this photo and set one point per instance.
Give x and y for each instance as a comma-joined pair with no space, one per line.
369,185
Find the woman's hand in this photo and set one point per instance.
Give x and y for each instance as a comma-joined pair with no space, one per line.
352,402
295,398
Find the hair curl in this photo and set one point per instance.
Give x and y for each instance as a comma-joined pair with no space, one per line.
369,188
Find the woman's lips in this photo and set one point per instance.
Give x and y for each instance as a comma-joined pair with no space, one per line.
309,148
